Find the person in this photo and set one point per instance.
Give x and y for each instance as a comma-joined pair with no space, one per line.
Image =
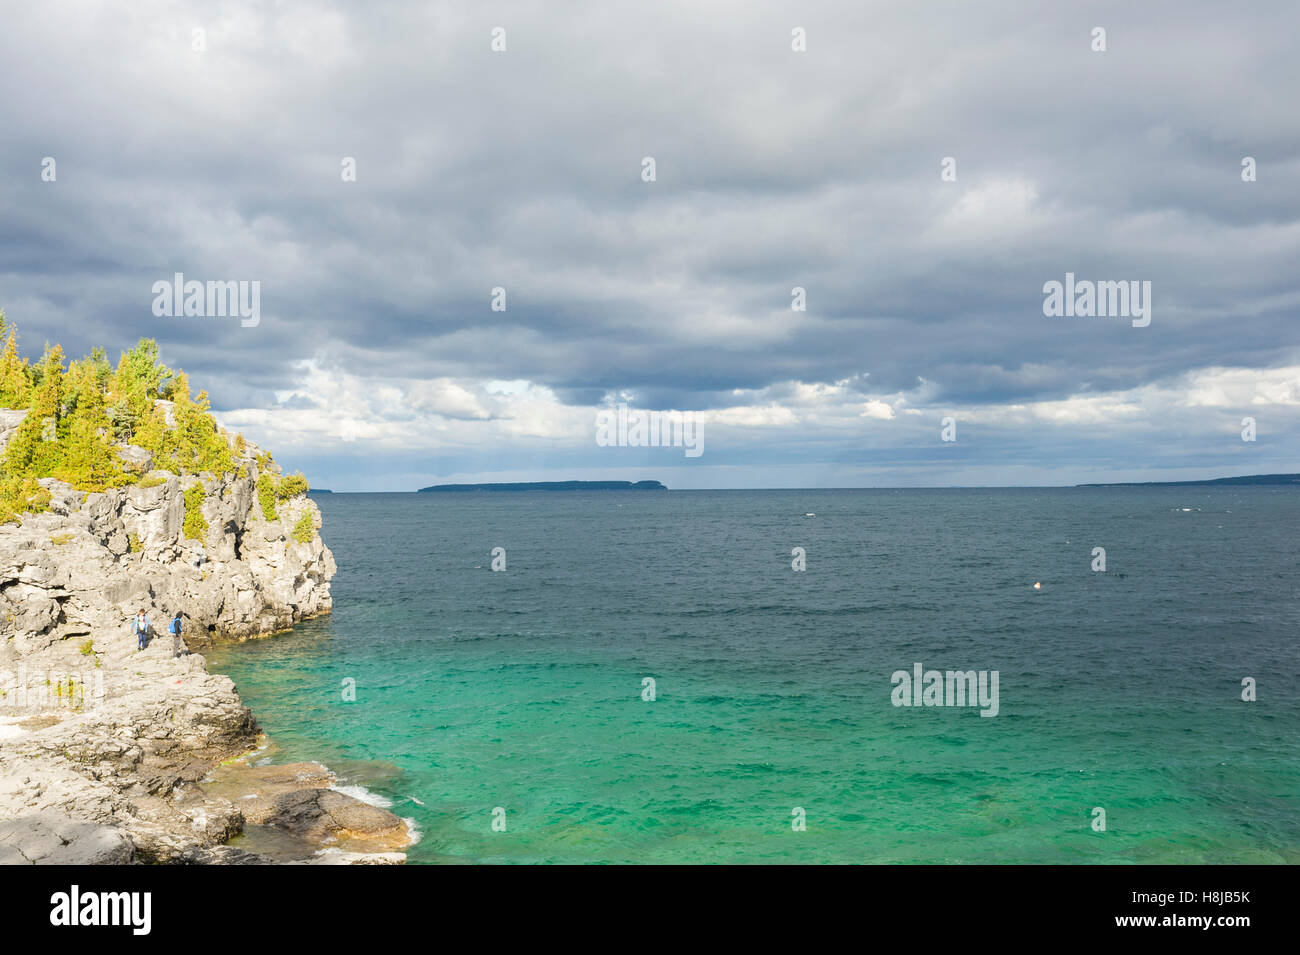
175,628
141,626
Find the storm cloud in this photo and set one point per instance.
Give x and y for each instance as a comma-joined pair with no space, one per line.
378,362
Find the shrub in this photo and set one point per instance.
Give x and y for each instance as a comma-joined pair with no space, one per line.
88,647
195,526
266,497
21,495
152,480
292,486
305,529
135,544
58,540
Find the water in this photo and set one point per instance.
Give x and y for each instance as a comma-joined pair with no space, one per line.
523,689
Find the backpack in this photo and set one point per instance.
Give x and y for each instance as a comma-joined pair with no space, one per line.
176,625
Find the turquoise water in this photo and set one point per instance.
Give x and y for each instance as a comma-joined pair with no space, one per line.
523,689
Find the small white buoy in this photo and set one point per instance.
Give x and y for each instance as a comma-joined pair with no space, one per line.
810,514
1038,585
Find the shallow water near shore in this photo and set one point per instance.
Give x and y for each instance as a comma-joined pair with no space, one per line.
523,689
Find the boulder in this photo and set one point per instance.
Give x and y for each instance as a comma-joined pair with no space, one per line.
10,419
135,458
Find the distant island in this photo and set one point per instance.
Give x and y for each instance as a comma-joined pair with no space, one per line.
551,486
1247,479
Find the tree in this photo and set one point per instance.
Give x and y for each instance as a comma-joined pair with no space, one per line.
15,377
36,450
89,461
134,386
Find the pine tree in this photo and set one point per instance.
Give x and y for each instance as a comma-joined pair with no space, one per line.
76,419
134,386
89,462
15,377
36,449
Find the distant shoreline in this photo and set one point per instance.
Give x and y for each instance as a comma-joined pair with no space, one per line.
548,486
1244,480
1247,480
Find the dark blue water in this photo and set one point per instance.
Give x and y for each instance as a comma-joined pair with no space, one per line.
522,690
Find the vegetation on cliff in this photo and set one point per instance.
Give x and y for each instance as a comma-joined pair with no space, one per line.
83,414
305,529
195,526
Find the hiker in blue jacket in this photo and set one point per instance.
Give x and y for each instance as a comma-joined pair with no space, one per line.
141,627
174,628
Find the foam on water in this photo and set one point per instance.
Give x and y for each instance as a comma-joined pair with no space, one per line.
365,795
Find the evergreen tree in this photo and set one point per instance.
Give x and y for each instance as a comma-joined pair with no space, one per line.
15,377
89,461
76,419
35,450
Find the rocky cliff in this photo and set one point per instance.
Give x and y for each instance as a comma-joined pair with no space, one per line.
105,750
89,562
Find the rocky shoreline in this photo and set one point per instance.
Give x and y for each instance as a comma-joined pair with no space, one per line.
109,754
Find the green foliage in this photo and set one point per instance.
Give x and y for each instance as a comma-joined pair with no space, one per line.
66,432
21,494
153,480
58,540
190,445
34,448
195,525
305,529
79,412
88,647
294,485
89,461
135,544
15,376
135,385
266,497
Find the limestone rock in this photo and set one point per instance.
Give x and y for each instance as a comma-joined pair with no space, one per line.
88,563
52,838
135,458
10,419
106,752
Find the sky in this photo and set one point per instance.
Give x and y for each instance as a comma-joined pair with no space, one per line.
216,140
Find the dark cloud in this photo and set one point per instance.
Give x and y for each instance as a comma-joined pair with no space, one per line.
775,170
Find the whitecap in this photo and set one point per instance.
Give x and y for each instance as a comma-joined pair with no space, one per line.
365,795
